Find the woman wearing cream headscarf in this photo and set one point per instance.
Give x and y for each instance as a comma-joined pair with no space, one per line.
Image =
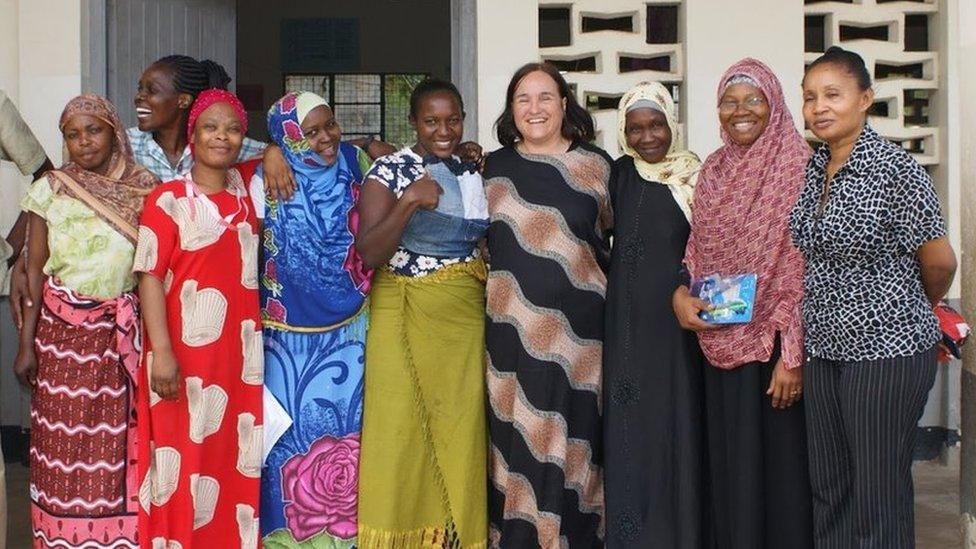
653,435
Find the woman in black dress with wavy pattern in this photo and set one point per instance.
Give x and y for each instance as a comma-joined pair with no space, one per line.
549,200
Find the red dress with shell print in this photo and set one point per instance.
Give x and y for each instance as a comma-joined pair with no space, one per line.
200,455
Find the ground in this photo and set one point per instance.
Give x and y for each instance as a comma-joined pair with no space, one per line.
936,506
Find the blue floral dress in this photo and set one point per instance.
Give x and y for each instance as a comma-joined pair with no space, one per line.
313,296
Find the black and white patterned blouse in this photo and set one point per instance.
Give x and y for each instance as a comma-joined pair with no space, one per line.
864,298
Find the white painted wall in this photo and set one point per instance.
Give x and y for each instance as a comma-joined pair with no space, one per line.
12,184
717,34
965,15
945,116
508,37
40,69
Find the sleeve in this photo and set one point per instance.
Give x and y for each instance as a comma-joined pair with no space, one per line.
256,190
251,148
17,142
611,193
383,171
158,234
365,162
791,341
917,217
38,198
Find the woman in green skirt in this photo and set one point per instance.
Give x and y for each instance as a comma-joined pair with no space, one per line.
422,464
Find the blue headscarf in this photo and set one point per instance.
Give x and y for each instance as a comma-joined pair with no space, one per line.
312,276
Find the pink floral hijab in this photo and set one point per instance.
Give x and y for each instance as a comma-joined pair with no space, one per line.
742,208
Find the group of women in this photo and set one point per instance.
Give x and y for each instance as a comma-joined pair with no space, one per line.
373,347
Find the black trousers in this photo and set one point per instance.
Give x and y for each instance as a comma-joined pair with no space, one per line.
861,420
760,488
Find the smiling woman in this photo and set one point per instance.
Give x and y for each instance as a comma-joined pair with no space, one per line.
314,330
549,242
753,383
164,94
653,413
423,213
200,419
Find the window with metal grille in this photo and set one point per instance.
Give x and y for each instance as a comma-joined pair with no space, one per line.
365,104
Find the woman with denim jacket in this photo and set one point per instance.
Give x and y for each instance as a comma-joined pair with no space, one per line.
422,215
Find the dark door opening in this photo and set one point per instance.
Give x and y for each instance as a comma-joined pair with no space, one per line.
362,57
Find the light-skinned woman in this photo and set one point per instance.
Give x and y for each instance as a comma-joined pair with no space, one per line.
549,197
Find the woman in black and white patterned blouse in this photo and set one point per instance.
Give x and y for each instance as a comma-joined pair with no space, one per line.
877,260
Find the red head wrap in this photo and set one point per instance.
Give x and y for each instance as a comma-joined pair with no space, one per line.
211,97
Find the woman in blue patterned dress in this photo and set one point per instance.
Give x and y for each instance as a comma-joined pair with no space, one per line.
313,296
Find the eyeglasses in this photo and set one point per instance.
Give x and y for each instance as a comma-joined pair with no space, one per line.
751,103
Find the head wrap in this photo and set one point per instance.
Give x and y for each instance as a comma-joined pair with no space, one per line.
208,98
305,102
679,168
645,104
739,79
323,211
742,209
116,196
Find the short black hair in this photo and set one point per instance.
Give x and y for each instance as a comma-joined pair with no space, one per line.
577,123
432,85
192,77
849,61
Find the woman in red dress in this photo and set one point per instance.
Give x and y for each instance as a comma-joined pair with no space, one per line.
200,412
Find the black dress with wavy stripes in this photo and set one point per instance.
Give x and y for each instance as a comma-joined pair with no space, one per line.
549,251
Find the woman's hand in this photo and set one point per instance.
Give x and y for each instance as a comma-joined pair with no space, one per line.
424,193
19,291
279,181
786,386
686,309
470,151
25,366
164,379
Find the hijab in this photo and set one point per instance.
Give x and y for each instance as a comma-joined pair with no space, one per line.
118,195
679,168
743,203
318,226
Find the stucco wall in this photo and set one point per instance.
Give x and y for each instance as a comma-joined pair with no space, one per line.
508,37
716,37
40,69
966,17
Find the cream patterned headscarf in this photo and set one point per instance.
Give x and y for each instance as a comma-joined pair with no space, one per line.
679,168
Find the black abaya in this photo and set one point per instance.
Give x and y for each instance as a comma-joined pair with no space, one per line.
655,460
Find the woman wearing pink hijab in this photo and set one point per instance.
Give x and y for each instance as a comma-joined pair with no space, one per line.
753,383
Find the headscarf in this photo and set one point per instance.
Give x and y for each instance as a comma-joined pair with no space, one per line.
743,203
318,227
679,168
118,195
210,97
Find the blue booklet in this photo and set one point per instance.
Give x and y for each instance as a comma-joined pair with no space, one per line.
731,297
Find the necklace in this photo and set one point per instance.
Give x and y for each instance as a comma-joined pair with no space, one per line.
194,194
